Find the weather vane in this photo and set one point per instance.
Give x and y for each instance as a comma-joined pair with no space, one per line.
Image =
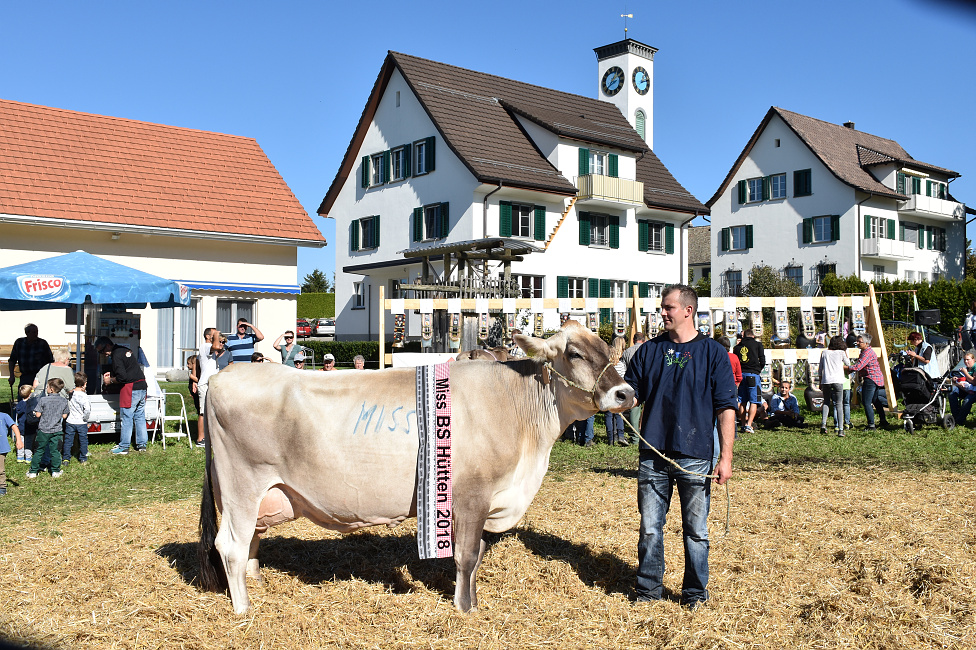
625,17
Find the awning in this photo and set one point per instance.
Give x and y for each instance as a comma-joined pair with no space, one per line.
240,286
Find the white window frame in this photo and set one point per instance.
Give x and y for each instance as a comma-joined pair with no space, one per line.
737,238
777,186
367,224
655,236
729,275
754,190
419,157
923,276
618,288
359,294
432,215
599,163
790,271
599,230
909,276
879,272
576,287
822,231
531,285
377,171
396,164
523,216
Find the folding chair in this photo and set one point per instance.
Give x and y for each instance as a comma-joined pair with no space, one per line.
183,429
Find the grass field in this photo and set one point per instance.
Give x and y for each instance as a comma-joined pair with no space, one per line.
865,541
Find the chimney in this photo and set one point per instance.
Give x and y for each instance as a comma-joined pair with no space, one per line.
849,125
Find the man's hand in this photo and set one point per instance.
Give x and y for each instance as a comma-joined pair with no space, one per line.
107,378
724,469
11,379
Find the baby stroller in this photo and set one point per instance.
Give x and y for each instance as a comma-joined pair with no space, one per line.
925,401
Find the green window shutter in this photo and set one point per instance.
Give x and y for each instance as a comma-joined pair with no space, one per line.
418,224
593,288
387,164
630,290
765,188
901,232
604,288
725,237
643,234
614,231
942,239
802,182
354,235
604,315
640,123
504,219
891,228
867,226
445,219
584,161
562,286
900,183
613,165
916,185
584,228
669,238
643,289
540,223
928,188
835,227
920,237
429,154
808,231
407,158
748,237
376,231
929,236
365,177
742,192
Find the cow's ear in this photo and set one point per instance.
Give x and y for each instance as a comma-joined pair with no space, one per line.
537,348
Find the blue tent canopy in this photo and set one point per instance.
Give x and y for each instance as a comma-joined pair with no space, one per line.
79,277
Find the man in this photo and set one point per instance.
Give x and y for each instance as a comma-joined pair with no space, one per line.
872,381
963,394
32,353
132,398
921,355
969,328
241,344
685,382
784,408
206,368
358,362
633,415
752,357
328,362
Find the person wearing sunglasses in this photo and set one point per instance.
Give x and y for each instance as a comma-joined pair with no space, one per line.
285,344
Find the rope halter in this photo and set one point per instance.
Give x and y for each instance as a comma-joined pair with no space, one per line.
591,391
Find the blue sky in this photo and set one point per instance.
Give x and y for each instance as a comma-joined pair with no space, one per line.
295,75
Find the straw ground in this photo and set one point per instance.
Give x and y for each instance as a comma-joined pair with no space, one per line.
824,553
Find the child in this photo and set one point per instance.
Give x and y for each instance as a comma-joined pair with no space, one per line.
52,409
26,403
79,408
6,422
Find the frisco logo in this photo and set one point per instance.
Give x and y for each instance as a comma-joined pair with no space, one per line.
184,293
42,287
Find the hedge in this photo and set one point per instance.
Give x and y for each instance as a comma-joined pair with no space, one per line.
316,305
344,351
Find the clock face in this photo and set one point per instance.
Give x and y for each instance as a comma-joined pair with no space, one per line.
613,81
642,81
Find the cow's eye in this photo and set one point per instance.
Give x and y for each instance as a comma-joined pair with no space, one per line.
575,355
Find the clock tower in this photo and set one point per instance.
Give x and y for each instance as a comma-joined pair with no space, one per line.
626,78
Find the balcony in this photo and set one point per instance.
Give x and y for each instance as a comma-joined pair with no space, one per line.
888,249
609,190
930,207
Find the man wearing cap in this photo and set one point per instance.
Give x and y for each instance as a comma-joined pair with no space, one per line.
328,362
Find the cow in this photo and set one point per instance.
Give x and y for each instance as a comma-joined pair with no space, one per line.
499,353
341,449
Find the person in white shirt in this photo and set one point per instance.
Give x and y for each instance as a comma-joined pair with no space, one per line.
969,328
206,367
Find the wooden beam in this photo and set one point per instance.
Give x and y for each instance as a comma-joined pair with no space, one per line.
382,314
878,341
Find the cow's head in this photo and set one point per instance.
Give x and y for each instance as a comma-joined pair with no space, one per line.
580,360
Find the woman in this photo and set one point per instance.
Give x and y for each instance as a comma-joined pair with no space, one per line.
615,421
194,377
832,362
289,350
226,357
59,369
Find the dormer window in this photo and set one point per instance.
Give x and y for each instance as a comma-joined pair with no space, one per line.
597,162
907,184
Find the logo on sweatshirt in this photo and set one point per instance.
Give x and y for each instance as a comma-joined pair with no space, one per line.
672,358
43,287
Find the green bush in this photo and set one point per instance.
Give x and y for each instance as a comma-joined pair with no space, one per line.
316,305
344,351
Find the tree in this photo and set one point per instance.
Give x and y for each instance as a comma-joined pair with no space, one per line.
316,282
970,270
765,281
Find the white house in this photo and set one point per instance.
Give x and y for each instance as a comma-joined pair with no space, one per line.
443,155
809,198
206,209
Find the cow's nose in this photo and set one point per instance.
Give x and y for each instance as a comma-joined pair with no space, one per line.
623,395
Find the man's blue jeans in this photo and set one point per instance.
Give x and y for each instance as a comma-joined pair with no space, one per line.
134,415
961,403
583,430
656,479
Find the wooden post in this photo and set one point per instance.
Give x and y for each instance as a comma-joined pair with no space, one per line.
634,315
382,314
877,334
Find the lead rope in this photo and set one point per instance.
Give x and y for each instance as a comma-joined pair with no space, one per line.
592,392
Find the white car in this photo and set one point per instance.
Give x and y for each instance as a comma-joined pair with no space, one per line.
107,418
325,327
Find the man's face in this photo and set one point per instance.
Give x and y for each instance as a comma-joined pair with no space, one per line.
784,388
329,364
241,328
31,333
673,313
861,343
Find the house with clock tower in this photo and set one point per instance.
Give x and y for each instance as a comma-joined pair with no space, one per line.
566,188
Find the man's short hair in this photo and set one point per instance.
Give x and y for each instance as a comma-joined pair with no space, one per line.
749,333
207,331
687,296
29,326
80,379
784,382
865,337
241,320
56,385
257,357
639,336
103,342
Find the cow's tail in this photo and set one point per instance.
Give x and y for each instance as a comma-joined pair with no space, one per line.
212,574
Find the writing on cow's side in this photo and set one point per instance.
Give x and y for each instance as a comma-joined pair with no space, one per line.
375,419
